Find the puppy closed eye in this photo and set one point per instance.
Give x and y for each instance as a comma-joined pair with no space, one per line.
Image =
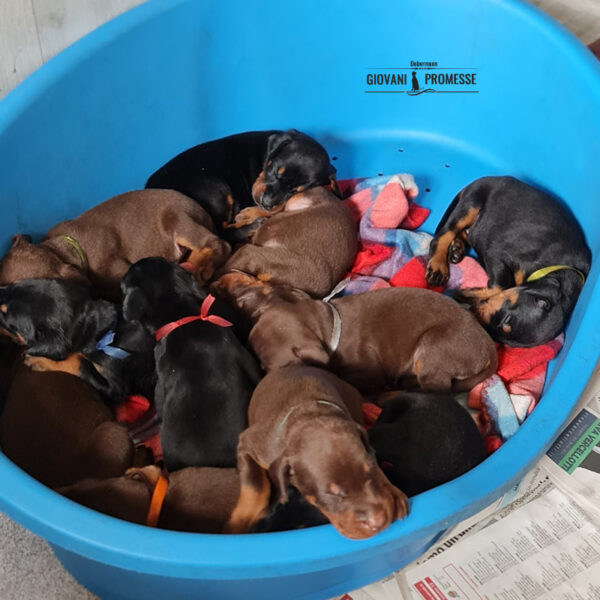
542,303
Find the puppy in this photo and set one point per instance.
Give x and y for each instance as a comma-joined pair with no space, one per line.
422,440
65,330
57,428
533,251
98,247
399,338
304,430
258,169
205,376
197,500
310,244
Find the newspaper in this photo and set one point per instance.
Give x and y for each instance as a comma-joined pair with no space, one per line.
539,541
548,549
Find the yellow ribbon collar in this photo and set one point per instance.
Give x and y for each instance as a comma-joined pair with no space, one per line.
73,242
547,270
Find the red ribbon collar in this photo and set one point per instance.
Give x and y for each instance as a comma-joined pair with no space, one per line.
203,316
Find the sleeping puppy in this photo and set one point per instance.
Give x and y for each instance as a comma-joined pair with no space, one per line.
258,169
533,251
197,499
305,430
397,338
98,247
57,428
64,329
205,376
309,245
422,440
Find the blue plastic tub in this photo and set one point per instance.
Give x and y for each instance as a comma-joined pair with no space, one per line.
103,115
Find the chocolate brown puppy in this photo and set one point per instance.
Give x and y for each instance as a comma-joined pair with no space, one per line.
197,499
100,245
305,429
397,338
309,245
57,428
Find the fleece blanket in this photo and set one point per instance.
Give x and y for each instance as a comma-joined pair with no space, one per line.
393,254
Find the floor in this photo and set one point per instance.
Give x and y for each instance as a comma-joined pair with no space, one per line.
32,32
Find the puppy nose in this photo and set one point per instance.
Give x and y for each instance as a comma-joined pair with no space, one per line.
373,519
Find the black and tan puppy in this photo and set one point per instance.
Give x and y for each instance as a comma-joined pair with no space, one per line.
533,251
395,338
309,245
205,375
258,169
422,440
64,329
57,428
97,247
305,429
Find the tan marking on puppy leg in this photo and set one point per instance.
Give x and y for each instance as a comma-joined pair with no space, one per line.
478,294
439,259
236,278
251,506
3,308
248,215
71,365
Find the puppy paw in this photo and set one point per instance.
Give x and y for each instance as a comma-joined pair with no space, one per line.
456,251
437,273
39,363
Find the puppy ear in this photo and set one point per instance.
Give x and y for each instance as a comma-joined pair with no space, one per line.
185,283
312,353
278,141
279,473
20,239
135,304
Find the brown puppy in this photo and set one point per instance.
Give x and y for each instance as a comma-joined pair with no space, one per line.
305,430
309,245
56,427
198,499
102,243
400,338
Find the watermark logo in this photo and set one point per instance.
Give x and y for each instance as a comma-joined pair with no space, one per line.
422,77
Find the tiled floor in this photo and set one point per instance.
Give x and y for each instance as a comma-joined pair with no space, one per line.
31,32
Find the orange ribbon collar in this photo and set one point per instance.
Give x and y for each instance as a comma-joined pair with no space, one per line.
203,316
157,500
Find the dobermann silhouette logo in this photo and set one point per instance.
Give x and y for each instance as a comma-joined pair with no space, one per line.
415,82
